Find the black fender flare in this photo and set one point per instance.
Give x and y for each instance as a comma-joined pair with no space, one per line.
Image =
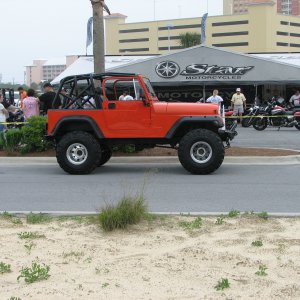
76,120
216,121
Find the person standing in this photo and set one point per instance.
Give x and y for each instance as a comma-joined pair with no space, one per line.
215,98
295,99
31,105
46,100
3,114
238,102
23,95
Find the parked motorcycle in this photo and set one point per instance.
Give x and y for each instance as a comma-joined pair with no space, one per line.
275,115
16,119
250,118
229,119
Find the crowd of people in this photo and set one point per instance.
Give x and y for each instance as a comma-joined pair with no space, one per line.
29,102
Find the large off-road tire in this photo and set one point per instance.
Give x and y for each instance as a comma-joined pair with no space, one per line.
260,124
78,153
201,151
106,154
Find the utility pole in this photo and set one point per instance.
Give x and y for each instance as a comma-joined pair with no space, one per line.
98,36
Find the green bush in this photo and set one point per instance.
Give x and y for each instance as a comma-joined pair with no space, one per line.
130,210
34,135
10,140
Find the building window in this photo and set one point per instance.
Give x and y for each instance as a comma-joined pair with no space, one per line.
134,30
231,44
180,27
282,44
295,45
230,33
171,48
284,23
282,33
294,24
295,34
134,50
165,38
230,23
134,40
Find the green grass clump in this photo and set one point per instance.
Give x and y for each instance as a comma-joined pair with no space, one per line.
37,272
195,224
220,220
4,268
257,243
261,271
222,284
233,213
263,215
130,210
30,235
37,218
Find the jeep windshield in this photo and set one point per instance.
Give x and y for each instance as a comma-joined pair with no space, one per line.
150,88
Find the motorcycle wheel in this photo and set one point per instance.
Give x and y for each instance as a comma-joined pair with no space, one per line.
246,122
260,124
298,125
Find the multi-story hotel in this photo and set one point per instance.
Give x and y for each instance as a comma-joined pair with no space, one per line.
261,29
287,7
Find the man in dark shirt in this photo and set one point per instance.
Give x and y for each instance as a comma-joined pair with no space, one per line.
47,98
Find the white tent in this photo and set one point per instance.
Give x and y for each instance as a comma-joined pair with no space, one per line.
85,65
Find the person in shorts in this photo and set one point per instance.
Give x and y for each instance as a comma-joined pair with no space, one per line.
238,102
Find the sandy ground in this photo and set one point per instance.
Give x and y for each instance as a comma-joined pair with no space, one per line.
155,260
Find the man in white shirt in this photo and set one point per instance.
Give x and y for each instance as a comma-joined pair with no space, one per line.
215,98
295,99
125,96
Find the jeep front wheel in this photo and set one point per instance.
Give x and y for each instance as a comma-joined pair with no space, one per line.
105,155
201,151
78,153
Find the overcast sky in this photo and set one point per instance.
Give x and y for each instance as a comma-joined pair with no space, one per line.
34,29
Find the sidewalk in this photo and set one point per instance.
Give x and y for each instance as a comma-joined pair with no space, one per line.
242,160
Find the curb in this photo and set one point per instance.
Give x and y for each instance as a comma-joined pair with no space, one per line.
242,160
186,214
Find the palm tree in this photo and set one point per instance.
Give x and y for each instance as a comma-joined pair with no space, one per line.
189,39
98,35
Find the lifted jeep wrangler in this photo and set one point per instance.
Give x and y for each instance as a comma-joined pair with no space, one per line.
91,118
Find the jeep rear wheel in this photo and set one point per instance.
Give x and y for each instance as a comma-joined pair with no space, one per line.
105,155
201,151
78,153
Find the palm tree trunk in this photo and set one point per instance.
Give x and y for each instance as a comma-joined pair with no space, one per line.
98,37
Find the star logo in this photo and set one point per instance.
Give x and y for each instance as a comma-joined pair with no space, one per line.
167,69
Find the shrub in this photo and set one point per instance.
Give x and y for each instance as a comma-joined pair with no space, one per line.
37,218
10,140
130,210
35,273
233,213
34,135
195,224
222,284
4,268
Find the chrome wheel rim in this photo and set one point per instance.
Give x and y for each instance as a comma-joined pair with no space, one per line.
77,154
201,152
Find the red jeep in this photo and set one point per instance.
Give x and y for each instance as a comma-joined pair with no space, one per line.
91,117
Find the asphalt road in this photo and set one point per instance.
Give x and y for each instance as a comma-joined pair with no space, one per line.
168,187
286,138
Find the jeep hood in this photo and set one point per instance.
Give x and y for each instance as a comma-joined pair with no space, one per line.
187,109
